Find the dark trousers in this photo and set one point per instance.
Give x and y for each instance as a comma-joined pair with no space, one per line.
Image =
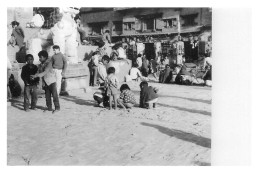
93,76
51,90
30,90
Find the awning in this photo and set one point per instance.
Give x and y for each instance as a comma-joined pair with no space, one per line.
183,30
122,8
129,19
170,17
149,16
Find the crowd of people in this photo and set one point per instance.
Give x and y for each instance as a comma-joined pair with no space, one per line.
110,90
51,71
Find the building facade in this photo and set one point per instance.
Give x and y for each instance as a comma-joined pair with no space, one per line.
141,22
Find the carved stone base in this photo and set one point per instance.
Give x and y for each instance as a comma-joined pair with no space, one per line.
76,77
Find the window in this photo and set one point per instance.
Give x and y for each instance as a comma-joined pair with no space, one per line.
129,26
97,27
148,24
170,23
189,20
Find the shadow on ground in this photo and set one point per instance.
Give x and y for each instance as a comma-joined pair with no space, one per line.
186,109
79,101
190,99
189,137
202,163
20,105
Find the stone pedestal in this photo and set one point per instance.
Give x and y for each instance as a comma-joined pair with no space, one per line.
122,68
74,78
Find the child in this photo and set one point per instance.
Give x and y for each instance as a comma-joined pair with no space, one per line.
101,97
48,81
135,73
112,84
59,64
148,96
30,84
127,99
93,67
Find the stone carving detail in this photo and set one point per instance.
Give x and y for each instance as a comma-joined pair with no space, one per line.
64,34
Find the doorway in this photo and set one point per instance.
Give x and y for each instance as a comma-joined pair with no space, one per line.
149,51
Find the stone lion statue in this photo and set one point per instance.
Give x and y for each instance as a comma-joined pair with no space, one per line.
64,33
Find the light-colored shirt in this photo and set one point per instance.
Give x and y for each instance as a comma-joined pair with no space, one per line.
135,73
139,62
95,59
158,59
121,53
106,38
102,72
46,71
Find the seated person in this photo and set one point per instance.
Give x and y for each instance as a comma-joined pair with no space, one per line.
184,77
135,73
166,76
14,86
127,99
148,96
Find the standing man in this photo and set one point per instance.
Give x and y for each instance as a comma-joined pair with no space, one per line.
195,48
179,50
47,73
59,64
102,70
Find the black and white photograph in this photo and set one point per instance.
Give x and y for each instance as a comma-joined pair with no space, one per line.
120,86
